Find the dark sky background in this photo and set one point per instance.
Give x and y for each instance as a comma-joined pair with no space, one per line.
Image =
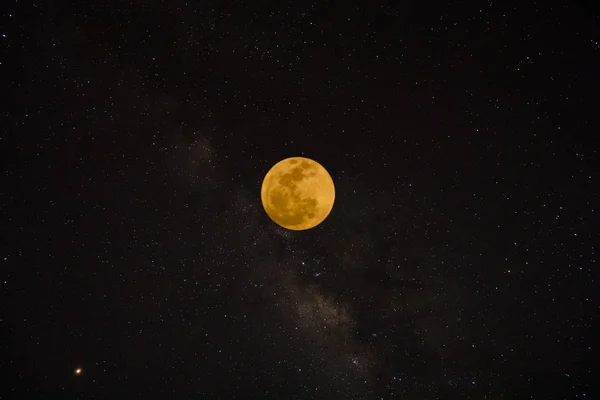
458,262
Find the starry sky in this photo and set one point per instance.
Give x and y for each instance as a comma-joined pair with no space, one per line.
459,260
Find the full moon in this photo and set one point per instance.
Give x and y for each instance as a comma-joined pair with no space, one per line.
297,193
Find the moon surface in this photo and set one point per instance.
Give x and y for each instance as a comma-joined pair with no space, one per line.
297,193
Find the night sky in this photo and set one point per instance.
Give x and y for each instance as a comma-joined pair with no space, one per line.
458,262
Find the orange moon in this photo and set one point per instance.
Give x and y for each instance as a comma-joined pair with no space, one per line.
297,193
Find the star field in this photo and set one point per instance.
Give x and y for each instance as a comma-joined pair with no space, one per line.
459,260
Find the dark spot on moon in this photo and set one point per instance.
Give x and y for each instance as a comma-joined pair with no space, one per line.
295,175
306,165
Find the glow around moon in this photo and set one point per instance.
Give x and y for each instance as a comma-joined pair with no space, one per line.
297,193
